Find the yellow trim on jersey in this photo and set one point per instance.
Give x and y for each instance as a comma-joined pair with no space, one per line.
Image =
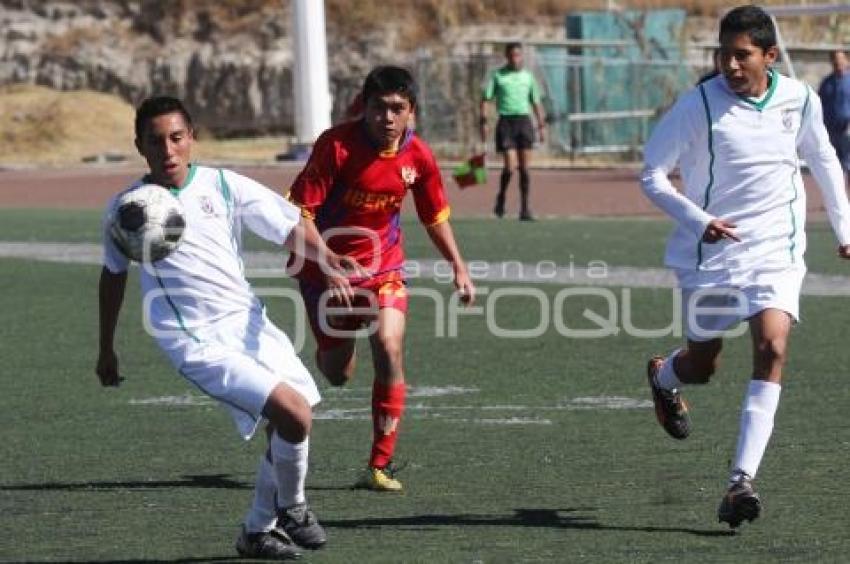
304,211
442,217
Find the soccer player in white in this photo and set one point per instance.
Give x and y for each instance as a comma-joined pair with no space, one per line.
204,316
737,248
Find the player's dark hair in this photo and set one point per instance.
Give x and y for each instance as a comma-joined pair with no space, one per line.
388,79
157,106
753,21
511,46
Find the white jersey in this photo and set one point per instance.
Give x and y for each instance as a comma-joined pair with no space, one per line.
738,162
203,281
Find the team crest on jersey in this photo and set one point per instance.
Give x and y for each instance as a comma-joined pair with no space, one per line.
409,175
207,205
788,118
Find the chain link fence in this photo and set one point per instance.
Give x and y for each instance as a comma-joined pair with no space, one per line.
594,104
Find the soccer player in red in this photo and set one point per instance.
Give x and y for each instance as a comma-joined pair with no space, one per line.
352,190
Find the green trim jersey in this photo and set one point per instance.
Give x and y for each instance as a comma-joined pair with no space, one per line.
514,91
203,281
738,159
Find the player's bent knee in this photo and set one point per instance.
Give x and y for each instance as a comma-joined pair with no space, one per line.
772,352
337,364
289,413
338,377
293,433
296,427
337,373
392,349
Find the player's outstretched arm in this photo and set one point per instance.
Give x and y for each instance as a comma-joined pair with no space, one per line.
443,238
110,298
305,240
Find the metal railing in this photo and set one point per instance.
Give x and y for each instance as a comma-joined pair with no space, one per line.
594,104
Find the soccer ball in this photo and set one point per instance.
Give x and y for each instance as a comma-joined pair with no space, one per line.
147,223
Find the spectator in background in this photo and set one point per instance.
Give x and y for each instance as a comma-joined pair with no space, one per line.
834,92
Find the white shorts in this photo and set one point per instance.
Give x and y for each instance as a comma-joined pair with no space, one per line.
708,311
239,362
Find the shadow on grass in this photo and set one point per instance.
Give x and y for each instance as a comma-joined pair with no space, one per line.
148,561
553,518
213,481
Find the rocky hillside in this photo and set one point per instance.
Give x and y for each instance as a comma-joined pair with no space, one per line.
231,60
231,66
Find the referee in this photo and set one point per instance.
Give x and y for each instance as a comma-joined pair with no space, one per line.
515,92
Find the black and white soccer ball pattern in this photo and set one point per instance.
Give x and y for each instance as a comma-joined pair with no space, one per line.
147,223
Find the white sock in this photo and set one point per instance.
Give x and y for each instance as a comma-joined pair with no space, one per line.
290,470
666,377
756,426
263,514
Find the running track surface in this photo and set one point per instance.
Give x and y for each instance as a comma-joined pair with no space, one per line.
554,192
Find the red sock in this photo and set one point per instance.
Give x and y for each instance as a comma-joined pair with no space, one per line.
387,407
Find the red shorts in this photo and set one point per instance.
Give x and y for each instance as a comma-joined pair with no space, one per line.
386,290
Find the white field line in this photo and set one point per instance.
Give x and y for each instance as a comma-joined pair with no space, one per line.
269,265
508,421
478,414
359,393
187,399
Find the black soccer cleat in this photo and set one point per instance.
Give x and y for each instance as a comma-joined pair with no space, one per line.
499,208
740,503
671,410
271,545
300,524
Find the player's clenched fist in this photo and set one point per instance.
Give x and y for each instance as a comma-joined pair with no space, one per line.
464,286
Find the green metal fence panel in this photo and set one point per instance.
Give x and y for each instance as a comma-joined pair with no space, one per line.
644,74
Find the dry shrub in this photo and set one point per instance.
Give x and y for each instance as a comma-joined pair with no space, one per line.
32,127
420,20
40,125
71,41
